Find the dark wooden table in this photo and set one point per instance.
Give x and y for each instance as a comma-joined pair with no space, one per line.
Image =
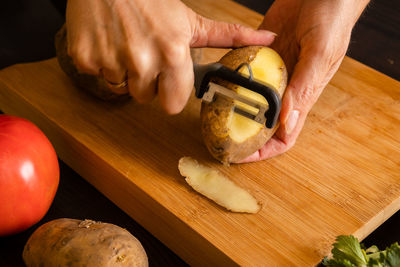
27,28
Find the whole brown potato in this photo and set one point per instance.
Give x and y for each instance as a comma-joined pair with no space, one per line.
70,242
229,136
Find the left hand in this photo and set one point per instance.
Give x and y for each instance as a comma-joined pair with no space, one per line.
313,37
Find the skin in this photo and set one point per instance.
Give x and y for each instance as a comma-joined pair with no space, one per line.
131,39
313,37
148,42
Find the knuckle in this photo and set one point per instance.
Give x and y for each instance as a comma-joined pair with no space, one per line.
301,96
307,94
175,54
139,62
84,64
235,27
237,32
82,58
198,29
143,61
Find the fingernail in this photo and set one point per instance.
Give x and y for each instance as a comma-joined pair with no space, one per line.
269,32
291,121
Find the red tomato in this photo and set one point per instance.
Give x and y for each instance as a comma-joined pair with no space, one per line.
29,174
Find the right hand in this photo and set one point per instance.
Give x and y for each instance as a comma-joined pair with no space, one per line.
148,42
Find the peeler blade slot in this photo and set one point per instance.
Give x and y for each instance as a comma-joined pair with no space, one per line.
258,116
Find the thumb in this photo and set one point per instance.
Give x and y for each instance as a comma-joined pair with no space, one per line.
305,86
211,33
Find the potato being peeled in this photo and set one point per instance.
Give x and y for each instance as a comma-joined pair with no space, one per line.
230,136
70,242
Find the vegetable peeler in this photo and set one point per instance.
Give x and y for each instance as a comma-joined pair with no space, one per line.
207,90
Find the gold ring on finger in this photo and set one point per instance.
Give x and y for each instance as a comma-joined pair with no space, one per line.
117,85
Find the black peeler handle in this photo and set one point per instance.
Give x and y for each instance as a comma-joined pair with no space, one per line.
205,73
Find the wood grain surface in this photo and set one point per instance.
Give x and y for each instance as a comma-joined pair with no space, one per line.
342,177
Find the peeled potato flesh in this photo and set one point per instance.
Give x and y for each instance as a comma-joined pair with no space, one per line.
217,187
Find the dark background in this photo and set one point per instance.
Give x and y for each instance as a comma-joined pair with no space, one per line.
27,30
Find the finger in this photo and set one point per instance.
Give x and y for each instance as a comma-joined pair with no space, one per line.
114,75
142,73
142,89
302,92
272,148
211,33
84,57
82,51
176,81
111,76
112,70
304,88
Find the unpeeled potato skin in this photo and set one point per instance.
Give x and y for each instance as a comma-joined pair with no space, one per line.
70,242
214,116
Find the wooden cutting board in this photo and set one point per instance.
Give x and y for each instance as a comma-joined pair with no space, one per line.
342,176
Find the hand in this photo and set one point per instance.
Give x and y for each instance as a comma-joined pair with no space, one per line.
148,42
313,37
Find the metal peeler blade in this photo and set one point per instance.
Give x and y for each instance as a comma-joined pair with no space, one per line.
259,117
207,90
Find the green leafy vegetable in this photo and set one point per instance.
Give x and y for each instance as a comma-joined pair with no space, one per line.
348,252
